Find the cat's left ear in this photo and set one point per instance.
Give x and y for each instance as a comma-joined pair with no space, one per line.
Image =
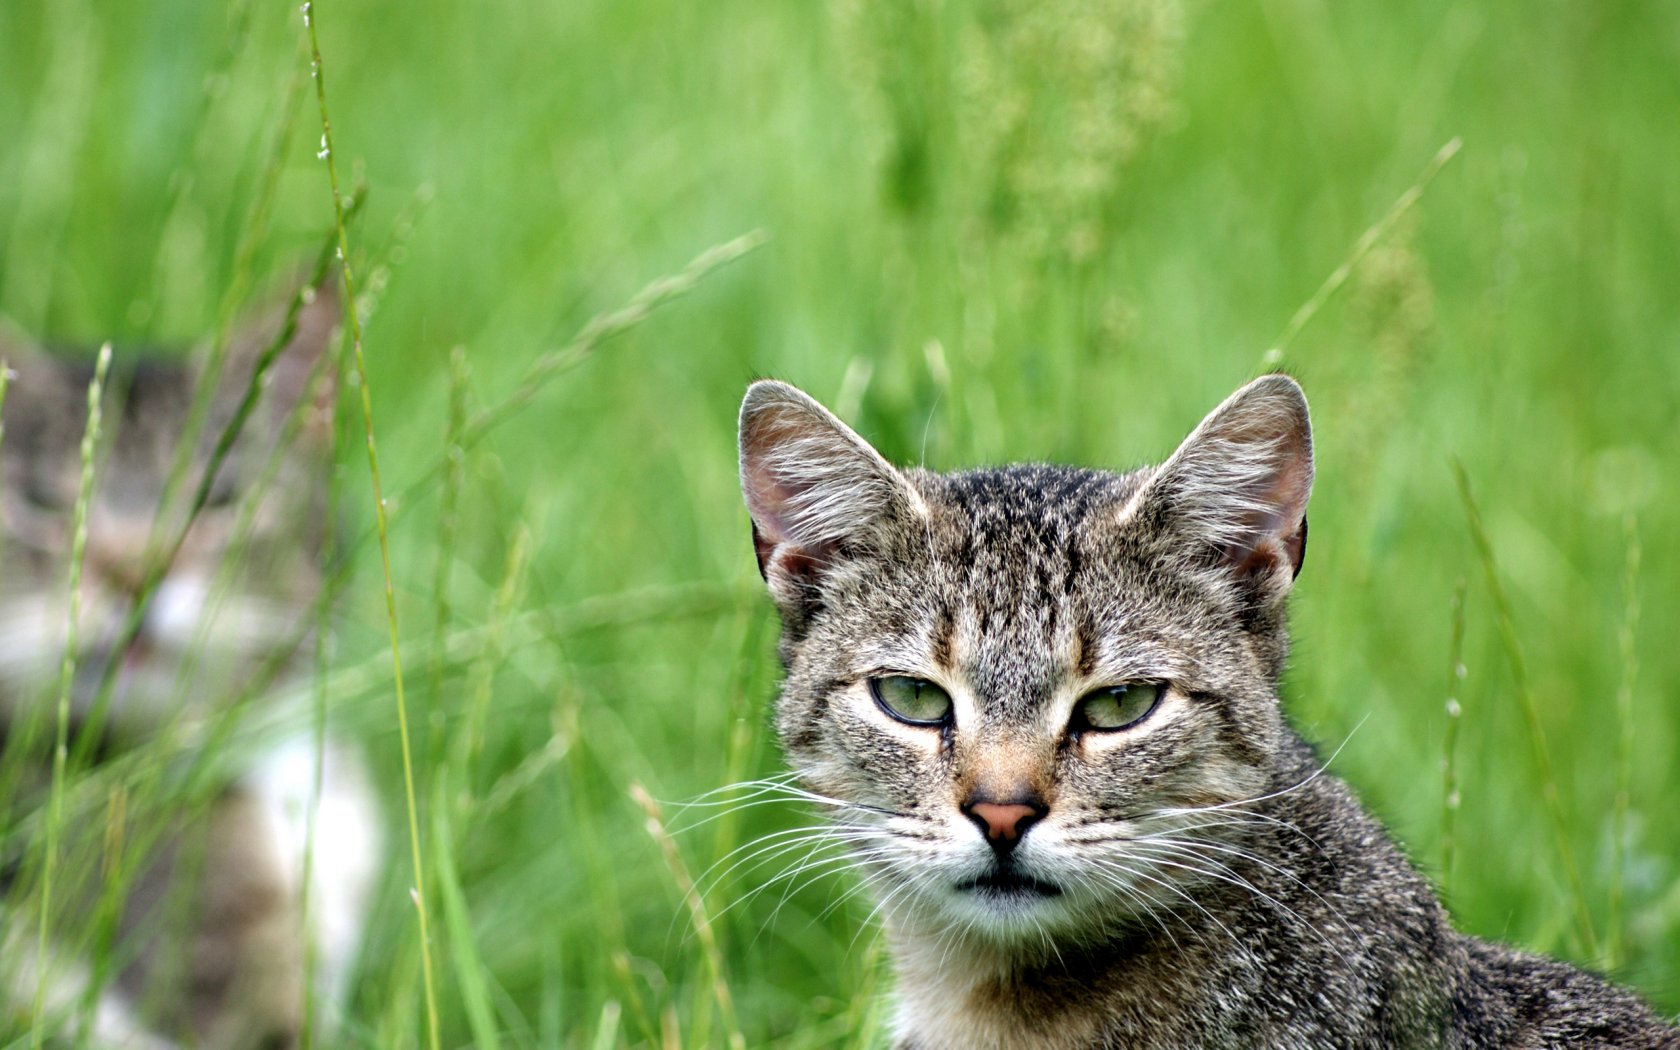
1236,490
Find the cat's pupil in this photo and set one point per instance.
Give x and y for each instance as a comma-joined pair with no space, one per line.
1119,706
914,700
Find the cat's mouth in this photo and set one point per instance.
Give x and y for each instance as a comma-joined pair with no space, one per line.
1008,882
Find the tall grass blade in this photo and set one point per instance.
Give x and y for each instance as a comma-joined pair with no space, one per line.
379,519
1615,945
1449,742
181,181
1366,242
1531,710
598,330
697,914
603,327
46,159
66,680
865,1012
606,1033
129,632
454,460
469,969
239,283
483,674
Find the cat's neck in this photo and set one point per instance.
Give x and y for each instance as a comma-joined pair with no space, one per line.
964,995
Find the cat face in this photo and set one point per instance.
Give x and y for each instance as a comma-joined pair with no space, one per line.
1023,690
214,615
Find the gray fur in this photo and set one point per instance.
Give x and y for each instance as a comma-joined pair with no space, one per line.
1192,880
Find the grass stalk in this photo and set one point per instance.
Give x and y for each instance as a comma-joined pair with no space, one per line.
603,327
743,736
213,86
1531,710
613,957
864,1016
606,1033
1614,941
1449,741
697,915
1366,242
158,567
483,672
239,283
579,349
454,471
469,968
66,681
419,894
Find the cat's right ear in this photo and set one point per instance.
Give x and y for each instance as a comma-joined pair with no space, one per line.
817,492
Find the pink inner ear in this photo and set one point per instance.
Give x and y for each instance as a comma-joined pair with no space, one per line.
813,487
767,503
772,501
1278,532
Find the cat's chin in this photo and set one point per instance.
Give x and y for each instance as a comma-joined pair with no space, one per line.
1004,905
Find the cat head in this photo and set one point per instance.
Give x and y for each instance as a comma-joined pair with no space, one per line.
232,593
1016,685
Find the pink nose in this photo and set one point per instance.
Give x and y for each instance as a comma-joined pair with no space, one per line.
1002,822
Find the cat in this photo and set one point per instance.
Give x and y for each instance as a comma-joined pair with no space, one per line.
1040,703
210,940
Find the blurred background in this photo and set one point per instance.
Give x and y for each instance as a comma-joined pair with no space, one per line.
998,230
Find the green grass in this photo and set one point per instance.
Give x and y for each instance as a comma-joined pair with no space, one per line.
993,236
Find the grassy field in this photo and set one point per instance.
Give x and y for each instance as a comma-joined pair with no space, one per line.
997,231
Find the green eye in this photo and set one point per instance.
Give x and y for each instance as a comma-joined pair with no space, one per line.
1119,706
913,700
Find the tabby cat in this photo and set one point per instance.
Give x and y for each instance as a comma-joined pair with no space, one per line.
209,946
1041,703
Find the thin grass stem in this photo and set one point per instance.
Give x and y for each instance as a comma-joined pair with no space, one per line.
454,459
697,915
66,681
1615,944
158,567
181,180
743,737
419,894
599,329
239,283
864,1016
606,1033
1531,709
469,968
1449,741
483,673
1366,242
